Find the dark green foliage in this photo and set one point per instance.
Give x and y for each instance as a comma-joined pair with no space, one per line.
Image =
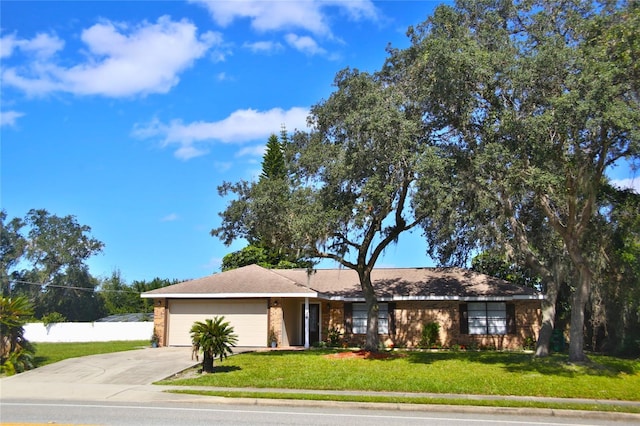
12,247
122,298
334,337
532,102
53,318
57,244
614,312
52,252
215,338
273,166
498,266
430,335
254,255
259,215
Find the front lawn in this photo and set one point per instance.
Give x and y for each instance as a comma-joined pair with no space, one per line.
479,373
48,353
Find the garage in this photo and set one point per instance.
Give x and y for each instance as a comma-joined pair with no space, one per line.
247,317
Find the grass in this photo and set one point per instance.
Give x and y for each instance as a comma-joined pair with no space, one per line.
477,373
48,353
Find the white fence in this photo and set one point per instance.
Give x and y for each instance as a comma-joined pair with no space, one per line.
88,331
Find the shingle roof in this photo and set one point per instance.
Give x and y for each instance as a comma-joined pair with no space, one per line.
248,281
343,284
410,283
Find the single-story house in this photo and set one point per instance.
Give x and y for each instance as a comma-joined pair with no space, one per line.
299,308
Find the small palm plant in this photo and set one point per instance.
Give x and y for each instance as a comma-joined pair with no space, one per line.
16,353
214,337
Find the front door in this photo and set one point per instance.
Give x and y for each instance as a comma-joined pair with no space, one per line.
314,323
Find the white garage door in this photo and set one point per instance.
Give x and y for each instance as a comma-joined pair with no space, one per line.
247,317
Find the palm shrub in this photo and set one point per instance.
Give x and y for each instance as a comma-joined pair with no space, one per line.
215,338
16,353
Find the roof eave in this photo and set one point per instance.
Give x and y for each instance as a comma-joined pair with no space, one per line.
442,298
224,295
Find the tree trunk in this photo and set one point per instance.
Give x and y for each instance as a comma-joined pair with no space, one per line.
372,340
207,362
578,303
548,319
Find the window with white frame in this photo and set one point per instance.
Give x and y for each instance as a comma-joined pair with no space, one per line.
487,317
359,318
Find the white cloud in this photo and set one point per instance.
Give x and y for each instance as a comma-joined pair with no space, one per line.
241,126
264,47
8,118
357,10
629,183
304,44
308,15
269,15
42,46
7,44
222,166
172,217
119,60
223,76
252,151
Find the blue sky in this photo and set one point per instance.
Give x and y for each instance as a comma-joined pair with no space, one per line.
128,115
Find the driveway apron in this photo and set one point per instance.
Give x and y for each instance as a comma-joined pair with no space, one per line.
115,376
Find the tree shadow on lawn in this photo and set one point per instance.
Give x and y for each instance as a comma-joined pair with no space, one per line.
286,352
556,365
225,368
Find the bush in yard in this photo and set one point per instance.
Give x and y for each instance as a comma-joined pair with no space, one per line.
334,337
16,353
430,335
53,318
214,337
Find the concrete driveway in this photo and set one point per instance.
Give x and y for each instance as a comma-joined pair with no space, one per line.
124,376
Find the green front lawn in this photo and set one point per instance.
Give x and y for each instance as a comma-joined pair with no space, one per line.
480,373
48,353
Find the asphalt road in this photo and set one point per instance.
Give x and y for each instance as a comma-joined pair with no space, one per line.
104,413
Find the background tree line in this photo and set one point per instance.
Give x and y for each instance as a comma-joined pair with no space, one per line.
43,260
492,132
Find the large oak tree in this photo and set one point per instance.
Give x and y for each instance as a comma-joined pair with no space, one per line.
534,100
351,182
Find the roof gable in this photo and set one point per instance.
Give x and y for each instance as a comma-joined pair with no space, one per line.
248,281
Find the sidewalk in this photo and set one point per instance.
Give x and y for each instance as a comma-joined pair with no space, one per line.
407,395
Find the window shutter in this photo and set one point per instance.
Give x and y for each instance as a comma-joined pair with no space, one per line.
392,319
511,318
464,320
348,316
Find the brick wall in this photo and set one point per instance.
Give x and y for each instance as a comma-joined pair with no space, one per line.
412,315
275,320
160,320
